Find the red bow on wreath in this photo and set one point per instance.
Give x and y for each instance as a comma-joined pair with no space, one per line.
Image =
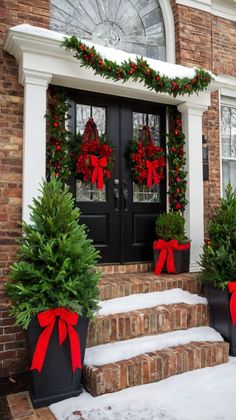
90,132
97,175
67,320
152,173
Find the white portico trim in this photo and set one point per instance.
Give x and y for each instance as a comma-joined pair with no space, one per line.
42,60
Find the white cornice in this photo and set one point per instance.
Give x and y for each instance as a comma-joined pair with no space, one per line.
222,8
39,55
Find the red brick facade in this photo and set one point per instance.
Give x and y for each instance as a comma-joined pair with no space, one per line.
202,40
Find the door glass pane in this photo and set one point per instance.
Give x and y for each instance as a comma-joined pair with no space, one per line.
86,191
141,193
153,121
229,174
84,112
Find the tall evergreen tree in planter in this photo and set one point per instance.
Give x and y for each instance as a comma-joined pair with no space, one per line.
54,292
218,263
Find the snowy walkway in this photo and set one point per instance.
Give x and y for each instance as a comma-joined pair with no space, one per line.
204,394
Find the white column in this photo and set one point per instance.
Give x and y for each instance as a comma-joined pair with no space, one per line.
34,142
194,212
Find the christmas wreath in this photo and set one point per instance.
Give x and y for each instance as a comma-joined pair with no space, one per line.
147,160
94,160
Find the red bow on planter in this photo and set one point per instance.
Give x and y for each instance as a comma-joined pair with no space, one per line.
152,173
232,289
67,320
166,254
97,175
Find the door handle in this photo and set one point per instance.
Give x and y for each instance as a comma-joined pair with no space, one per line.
126,196
117,198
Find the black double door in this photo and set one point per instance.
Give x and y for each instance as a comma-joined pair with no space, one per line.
121,218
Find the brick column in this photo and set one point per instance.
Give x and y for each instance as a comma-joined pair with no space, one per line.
34,144
194,213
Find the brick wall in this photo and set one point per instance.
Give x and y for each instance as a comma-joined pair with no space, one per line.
12,12
207,41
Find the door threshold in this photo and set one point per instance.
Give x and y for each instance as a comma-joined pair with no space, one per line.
136,267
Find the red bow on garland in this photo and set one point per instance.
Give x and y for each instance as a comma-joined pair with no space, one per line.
232,289
67,320
152,173
166,254
97,175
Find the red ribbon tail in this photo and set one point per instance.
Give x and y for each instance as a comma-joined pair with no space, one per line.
41,347
170,261
232,289
94,175
74,348
160,261
100,179
149,178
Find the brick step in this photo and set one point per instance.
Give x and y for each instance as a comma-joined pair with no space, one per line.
150,366
117,285
159,319
124,268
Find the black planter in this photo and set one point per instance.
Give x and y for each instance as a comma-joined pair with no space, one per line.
181,259
56,381
220,318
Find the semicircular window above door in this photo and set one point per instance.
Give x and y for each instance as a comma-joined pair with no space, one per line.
134,26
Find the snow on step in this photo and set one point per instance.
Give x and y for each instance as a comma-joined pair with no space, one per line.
148,300
122,350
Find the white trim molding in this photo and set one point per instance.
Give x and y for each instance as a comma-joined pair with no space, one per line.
194,213
222,8
169,30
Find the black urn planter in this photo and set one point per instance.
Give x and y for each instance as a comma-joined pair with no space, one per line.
56,381
181,260
220,318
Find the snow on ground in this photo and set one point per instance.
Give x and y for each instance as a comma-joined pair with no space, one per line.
121,350
148,300
204,394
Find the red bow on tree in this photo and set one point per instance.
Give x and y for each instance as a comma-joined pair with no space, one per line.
97,175
67,320
152,173
166,254
232,289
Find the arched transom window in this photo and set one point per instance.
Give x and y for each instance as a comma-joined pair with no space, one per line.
134,26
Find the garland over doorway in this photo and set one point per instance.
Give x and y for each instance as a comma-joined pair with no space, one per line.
136,70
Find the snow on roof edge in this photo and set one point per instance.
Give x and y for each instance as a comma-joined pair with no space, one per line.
169,69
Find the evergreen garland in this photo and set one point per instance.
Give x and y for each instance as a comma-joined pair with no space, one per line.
59,154
177,162
138,70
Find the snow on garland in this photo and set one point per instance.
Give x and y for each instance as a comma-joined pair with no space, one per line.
146,159
137,70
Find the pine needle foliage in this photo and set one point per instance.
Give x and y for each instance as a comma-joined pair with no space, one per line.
218,260
55,266
170,226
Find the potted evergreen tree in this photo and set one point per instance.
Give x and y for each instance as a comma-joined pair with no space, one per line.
218,263
172,248
54,292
